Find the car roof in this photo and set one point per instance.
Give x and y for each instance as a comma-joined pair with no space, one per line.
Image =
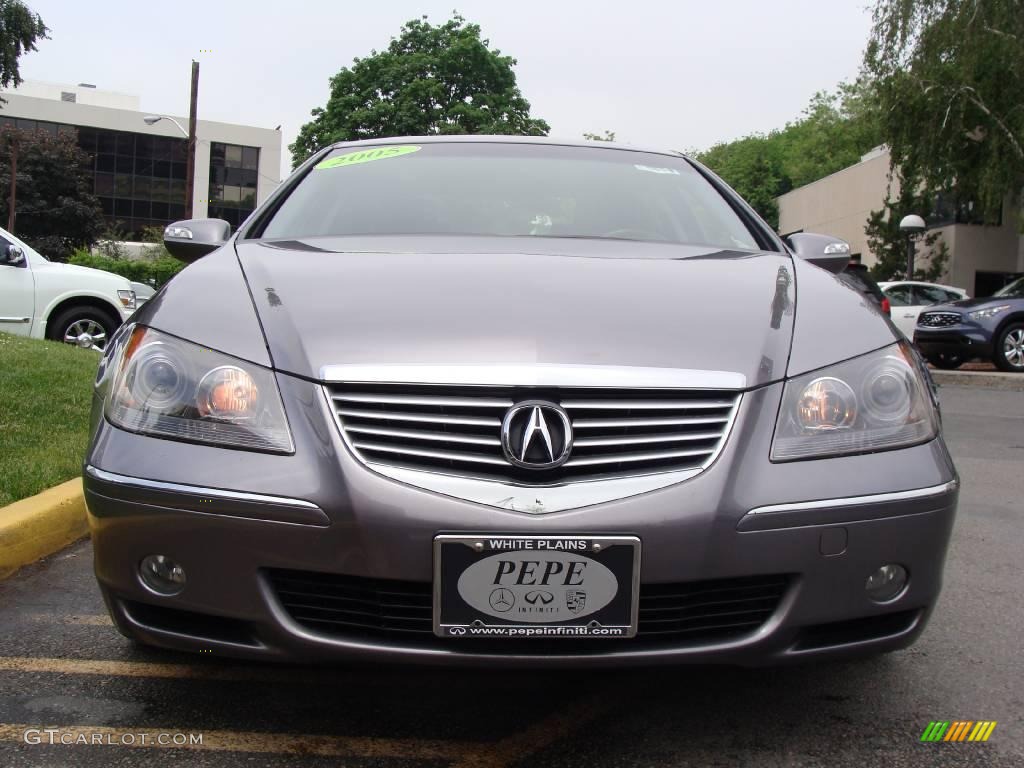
499,139
888,283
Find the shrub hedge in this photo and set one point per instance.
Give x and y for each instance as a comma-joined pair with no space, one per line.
153,271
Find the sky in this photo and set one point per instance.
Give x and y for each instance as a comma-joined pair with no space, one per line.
682,74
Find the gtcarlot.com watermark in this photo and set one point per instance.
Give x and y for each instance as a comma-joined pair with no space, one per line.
112,739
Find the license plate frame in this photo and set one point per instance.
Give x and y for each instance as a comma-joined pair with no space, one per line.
470,607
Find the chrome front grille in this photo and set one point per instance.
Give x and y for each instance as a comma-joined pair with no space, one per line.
457,429
938,319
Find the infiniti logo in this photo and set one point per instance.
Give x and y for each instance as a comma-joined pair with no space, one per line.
536,434
539,595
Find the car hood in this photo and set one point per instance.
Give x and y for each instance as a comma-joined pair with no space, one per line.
968,303
476,301
72,271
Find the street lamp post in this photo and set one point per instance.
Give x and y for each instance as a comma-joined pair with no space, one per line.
153,119
911,225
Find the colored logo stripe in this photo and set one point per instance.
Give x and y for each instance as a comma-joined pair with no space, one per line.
958,730
982,730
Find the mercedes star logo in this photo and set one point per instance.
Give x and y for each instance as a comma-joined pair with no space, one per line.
536,434
502,600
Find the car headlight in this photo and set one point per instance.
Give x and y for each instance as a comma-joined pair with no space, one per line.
984,314
127,299
167,387
876,402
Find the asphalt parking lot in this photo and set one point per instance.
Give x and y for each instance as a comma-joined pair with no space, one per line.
63,666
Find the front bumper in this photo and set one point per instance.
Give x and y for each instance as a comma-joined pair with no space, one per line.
966,341
322,512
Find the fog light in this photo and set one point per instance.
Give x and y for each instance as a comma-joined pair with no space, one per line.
162,575
887,583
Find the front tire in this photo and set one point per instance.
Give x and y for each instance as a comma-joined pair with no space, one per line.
1009,352
946,361
85,327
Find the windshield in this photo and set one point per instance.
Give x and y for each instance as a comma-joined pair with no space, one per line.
508,189
1014,290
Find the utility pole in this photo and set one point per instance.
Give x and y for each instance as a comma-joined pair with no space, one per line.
14,183
190,168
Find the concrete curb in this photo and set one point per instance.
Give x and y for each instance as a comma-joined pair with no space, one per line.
41,525
983,379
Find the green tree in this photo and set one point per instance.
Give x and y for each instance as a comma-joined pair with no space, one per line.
20,28
441,79
55,209
606,136
949,76
889,245
753,166
834,131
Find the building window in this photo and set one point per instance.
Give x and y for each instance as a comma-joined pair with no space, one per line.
234,176
68,96
138,178
950,209
132,177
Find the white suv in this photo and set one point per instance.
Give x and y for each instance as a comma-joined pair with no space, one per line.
62,302
908,297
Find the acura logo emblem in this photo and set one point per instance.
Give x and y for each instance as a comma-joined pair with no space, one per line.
536,434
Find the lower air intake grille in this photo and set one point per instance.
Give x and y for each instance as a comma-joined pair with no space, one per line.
615,432
694,613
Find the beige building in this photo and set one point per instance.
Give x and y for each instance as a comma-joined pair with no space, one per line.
139,170
982,257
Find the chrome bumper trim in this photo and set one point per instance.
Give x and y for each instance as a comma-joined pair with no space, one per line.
856,501
196,490
534,375
533,499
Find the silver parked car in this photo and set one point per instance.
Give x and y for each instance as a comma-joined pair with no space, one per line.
516,401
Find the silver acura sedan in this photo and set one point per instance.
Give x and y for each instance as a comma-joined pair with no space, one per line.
514,401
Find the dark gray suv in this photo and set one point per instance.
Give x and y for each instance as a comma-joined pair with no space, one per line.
991,328
516,401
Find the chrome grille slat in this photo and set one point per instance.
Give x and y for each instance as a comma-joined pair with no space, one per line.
595,442
617,423
623,458
652,405
411,434
451,402
470,421
447,429
444,455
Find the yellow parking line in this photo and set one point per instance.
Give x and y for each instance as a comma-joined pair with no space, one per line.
235,672
461,754
149,669
538,736
242,741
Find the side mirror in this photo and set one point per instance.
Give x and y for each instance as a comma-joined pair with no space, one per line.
191,239
823,251
13,255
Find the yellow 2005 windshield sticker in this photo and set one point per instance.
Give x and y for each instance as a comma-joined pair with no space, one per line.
367,156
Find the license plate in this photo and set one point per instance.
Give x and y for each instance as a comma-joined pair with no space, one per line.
536,586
